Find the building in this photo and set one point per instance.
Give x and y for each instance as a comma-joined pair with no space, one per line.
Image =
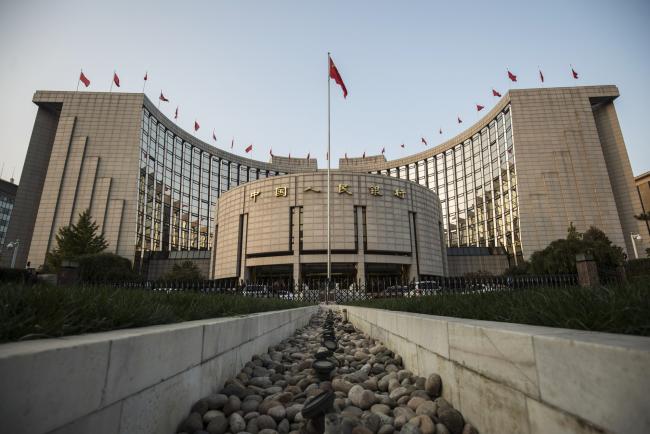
540,159
276,229
512,182
7,198
643,189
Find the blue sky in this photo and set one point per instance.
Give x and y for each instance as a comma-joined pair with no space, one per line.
257,71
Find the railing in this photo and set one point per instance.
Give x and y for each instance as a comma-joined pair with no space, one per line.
341,291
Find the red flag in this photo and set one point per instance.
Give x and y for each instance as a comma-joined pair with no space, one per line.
84,79
575,74
541,76
364,154
214,137
196,126
176,113
479,107
249,148
308,155
289,155
162,97
383,150
495,93
232,143
271,152
512,76
459,120
116,79
424,141
402,145
334,73
440,131
146,75
346,155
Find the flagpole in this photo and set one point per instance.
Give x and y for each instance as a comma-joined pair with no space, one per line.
146,74
329,159
81,71
112,81
158,97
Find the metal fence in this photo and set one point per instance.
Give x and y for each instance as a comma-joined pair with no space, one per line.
314,291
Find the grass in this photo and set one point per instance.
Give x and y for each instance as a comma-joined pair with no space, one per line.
620,309
34,312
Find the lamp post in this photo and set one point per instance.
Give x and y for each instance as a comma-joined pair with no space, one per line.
16,244
635,237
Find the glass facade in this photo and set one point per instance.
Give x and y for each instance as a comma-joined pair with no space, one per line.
6,206
178,186
476,182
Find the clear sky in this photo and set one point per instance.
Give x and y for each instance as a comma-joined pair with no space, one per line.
257,71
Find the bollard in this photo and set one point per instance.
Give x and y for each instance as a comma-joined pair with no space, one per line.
345,315
587,271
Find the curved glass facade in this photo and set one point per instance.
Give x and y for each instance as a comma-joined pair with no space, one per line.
476,181
179,183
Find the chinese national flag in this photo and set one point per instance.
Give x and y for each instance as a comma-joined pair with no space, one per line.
308,155
479,107
176,113
512,76
249,148
495,93
440,131
346,155
402,145
541,76
575,74
162,97
214,137
271,152
364,154
196,126
232,143
146,76
84,79
383,150
116,79
424,141
460,121
334,73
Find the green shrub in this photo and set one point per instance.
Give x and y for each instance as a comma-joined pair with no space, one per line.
637,267
105,267
186,270
16,275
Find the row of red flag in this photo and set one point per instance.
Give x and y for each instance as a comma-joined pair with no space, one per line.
333,75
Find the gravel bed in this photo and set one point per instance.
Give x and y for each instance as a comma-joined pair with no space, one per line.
369,392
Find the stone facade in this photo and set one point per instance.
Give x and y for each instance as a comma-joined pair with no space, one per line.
643,189
283,221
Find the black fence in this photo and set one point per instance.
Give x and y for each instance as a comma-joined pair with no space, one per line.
342,291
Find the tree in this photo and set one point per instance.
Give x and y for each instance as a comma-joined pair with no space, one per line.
559,257
186,270
76,240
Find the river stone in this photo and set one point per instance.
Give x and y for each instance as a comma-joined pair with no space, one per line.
284,427
193,422
371,421
237,423
360,397
216,401
403,411
386,429
293,410
249,405
433,385
398,392
262,382
234,389
264,406
425,424
266,421
469,429
441,429
341,385
252,427
452,419
218,425
442,403
380,408
278,412
268,431
200,406
403,375
232,405
409,428
414,403
361,430
428,408
211,414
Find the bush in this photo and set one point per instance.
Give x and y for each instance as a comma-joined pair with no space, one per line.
16,275
186,270
105,267
637,267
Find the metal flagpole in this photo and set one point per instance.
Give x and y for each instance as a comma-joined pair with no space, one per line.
81,71
329,159
158,97
146,74
112,81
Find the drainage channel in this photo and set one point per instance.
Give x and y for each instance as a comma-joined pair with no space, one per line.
327,378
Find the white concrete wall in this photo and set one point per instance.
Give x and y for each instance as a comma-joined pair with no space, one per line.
513,378
130,381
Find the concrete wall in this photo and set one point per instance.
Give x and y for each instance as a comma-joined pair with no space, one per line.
130,381
513,378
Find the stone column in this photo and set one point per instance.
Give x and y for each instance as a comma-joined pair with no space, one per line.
361,253
587,271
295,230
